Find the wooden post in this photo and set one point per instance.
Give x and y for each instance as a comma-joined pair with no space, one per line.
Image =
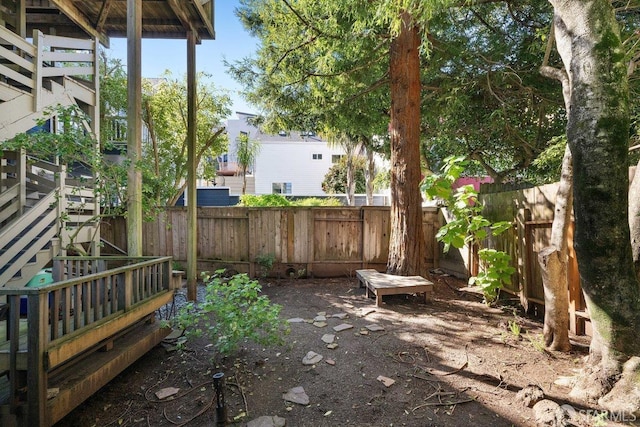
21,172
95,124
21,18
522,217
38,41
37,317
134,127
192,197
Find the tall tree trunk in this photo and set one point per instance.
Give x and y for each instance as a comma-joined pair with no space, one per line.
553,258
351,182
406,245
369,175
598,133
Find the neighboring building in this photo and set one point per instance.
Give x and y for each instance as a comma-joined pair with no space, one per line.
289,163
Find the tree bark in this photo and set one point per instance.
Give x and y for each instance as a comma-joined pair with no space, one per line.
406,245
369,174
553,258
598,133
553,263
351,182
634,219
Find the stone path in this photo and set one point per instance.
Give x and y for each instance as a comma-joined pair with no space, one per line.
321,320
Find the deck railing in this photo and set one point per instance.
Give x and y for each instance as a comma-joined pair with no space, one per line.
91,301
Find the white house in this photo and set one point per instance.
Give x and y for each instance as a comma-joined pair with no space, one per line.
291,163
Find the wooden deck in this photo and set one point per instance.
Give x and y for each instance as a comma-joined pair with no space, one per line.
78,334
380,284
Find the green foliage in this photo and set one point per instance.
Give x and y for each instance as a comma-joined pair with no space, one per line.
246,152
265,200
233,311
164,112
265,261
278,200
468,226
547,166
165,117
495,273
71,145
514,328
316,201
335,180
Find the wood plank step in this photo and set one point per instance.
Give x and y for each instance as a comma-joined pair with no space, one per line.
86,377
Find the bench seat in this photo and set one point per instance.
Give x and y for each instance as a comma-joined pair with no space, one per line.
381,284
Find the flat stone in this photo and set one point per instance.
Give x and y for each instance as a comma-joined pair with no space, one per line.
375,327
166,392
267,421
332,346
330,362
320,318
340,315
328,338
296,395
311,358
388,382
308,320
363,332
549,413
321,313
174,335
342,327
295,320
319,324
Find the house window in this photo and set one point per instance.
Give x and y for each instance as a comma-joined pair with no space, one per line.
335,158
281,188
317,156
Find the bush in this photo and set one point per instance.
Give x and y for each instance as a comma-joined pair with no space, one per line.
233,311
278,200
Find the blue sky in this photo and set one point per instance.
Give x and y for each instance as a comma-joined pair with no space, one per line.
232,43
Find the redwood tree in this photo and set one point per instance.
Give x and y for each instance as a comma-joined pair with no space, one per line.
406,245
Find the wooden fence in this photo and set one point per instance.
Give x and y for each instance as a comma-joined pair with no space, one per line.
304,241
531,211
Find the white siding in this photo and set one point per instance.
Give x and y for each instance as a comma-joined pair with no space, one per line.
292,161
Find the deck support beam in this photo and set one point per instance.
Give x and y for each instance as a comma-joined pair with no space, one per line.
192,193
134,127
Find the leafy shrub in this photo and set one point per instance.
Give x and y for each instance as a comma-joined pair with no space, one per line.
468,226
316,201
265,200
278,200
266,263
496,273
233,311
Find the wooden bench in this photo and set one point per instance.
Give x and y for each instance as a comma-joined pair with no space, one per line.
387,284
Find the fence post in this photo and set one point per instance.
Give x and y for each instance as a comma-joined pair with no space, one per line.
523,215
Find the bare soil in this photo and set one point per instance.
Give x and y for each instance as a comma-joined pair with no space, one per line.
454,362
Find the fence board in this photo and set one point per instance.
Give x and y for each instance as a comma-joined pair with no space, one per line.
531,211
331,241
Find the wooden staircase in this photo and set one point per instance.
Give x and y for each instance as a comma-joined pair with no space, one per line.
40,207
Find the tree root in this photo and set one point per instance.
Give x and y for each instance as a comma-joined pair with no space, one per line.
617,392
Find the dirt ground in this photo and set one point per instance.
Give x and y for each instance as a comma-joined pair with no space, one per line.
453,362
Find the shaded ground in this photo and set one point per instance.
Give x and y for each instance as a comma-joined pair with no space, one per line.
455,362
